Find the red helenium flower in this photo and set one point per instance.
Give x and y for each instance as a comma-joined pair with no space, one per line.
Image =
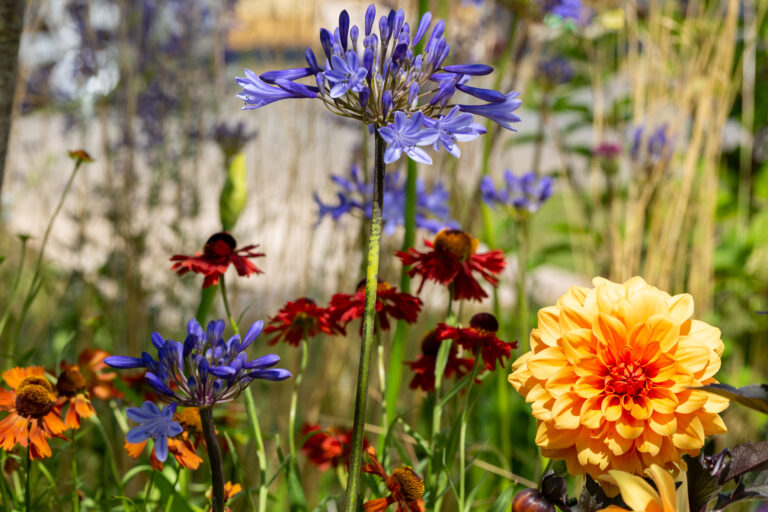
480,338
424,367
389,302
452,261
328,447
218,253
298,319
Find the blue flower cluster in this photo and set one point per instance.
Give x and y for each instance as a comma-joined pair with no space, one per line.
355,194
525,194
204,370
387,82
566,9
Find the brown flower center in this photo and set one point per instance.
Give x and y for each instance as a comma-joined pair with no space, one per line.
430,343
35,380
189,419
456,242
627,378
33,401
411,484
381,287
220,244
484,323
304,321
70,383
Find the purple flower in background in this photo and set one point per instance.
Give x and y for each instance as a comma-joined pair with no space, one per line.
453,127
556,71
154,424
566,9
432,211
525,194
651,148
205,369
384,80
405,135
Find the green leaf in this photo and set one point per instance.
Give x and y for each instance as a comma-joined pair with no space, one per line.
504,500
754,396
296,500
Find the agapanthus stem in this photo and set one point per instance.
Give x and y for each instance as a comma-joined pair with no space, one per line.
214,457
371,284
295,398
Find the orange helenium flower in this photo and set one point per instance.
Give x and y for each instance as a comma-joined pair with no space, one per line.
610,373
72,389
404,485
34,415
100,383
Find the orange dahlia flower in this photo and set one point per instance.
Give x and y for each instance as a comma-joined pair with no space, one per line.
34,415
609,377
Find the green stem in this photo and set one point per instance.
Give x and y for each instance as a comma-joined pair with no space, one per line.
295,398
371,282
75,497
253,418
15,287
463,436
28,483
522,265
34,285
206,300
383,390
214,457
148,490
231,318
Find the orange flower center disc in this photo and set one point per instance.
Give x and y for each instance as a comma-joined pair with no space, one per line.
456,242
430,343
33,401
70,383
627,378
411,485
35,380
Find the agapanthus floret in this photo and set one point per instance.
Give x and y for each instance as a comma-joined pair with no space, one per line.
524,194
155,424
355,195
374,77
454,127
650,148
205,369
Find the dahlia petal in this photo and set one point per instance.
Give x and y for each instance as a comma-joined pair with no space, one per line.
629,427
590,450
616,443
574,317
566,411
689,434
549,324
692,355
649,442
681,307
663,400
640,306
591,416
611,408
712,424
561,381
607,294
576,345
664,331
636,492
543,364
691,400
552,438
663,424
665,484
716,403
641,408
707,334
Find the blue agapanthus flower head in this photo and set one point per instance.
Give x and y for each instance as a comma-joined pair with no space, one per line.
651,147
524,194
556,71
566,9
355,194
205,369
390,82
154,424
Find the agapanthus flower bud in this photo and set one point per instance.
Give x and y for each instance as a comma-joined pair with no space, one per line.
343,28
370,17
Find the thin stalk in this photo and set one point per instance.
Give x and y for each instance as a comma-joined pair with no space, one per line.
463,437
295,397
15,287
28,482
34,285
250,407
371,282
214,457
231,318
206,300
148,490
75,497
383,390
522,264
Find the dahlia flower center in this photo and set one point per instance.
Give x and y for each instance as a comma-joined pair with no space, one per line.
411,484
33,401
456,242
70,383
220,244
627,378
35,380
